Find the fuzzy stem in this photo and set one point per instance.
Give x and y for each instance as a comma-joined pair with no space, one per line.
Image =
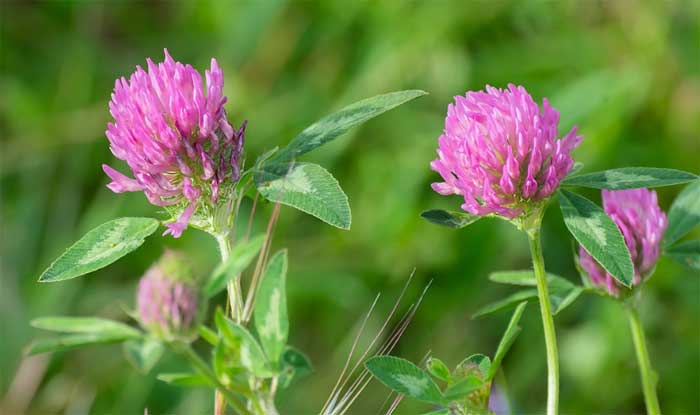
550,337
645,369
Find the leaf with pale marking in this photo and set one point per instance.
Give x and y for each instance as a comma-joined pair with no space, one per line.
307,187
630,178
271,321
684,214
100,247
598,235
404,377
333,125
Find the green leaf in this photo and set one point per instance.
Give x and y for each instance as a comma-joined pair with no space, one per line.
93,325
143,353
598,234
575,169
443,411
438,369
185,379
333,125
251,355
478,360
684,214
404,377
463,388
295,365
505,303
686,253
454,220
307,187
630,178
562,292
507,340
241,255
271,320
208,335
71,341
100,247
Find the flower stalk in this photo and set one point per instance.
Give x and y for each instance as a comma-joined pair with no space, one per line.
649,378
550,337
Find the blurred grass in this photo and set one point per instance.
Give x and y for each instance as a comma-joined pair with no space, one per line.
626,72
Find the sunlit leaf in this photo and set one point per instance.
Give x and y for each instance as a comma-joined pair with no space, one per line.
71,341
333,125
463,387
307,187
598,234
100,247
630,178
686,253
438,369
85,325
271,321
404,377
453,220
251,354
241,255
684,214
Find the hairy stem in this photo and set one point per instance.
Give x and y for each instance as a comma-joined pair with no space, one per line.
550,337
645,369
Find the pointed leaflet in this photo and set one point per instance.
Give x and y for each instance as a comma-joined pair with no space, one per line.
507,340
333,125
185,379
686,253
271,320
307,187
598,235
438,369
295,365
463,387
684,214
505,303
454,220
630,178
404,377
93,325
236,336
143,353
241,255
100,247
562,292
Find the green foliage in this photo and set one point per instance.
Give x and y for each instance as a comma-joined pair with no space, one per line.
294,366
271,321
686,253
185,379
684,214
506,303
100,247
307,187
404,377
243,345
90,330
562,292
463,388
143,353
454,220
630,178
241,255
333,125
438,369
507,340
598,234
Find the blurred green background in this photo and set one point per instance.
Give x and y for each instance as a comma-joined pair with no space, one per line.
626,72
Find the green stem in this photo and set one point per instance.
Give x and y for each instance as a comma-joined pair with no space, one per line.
645,369
550,337
235,296
203,368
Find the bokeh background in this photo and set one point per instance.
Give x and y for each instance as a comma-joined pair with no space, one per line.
627,72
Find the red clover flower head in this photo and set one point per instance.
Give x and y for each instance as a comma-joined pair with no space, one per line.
642,223
171,129
168,300
500,151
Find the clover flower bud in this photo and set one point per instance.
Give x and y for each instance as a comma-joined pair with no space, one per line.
500,152
168,300
172,131
641,221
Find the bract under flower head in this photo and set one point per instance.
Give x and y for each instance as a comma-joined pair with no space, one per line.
172,131
642,223
168,300
500,151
